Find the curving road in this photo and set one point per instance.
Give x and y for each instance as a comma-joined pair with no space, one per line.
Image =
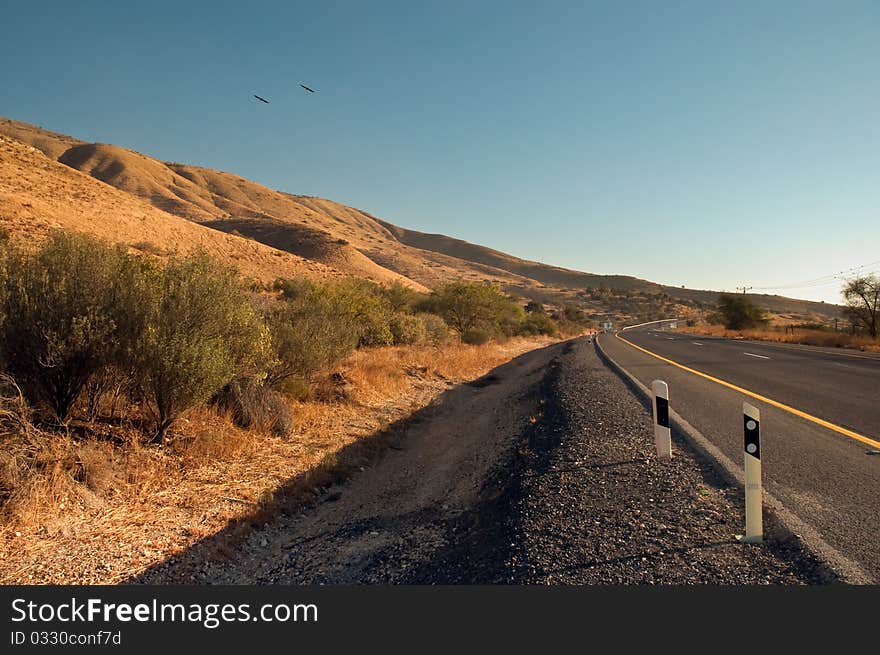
828,479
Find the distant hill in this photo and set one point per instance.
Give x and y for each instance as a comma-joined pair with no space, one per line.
267,232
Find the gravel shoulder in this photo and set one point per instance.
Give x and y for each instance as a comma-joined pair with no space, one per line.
542,472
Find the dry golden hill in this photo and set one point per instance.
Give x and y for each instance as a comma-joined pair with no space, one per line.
38,194
213,196
321,230
343,238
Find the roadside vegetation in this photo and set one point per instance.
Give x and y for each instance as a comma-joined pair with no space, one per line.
124,381
635,306
737,316
738,312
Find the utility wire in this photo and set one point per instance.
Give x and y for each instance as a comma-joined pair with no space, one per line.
826,280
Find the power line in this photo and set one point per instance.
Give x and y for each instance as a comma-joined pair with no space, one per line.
825,280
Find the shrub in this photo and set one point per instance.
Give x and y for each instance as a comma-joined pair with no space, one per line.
739,313
407,329
309,332
538,323
436,330
400,298
14,411
202,332
70,308
476,337
468,306
252,404
535,307
366,307
293,288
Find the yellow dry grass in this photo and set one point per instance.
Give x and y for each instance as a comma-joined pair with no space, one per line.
99,511
38,194
792,335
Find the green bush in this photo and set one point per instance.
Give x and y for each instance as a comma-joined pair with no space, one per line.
310,331
436,330
536,323
202,333
70,309
535,307
476,336
364,304
401,299
408,330
738,312
467,306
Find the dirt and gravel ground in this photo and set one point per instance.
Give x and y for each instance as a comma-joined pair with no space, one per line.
542,472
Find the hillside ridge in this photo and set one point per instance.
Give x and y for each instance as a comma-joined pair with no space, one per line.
342,238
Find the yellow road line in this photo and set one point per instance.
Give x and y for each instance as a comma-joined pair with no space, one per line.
769,401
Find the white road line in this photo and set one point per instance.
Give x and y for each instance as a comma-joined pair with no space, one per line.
855,368
759,356
696,343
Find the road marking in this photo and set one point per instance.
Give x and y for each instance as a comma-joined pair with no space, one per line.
753,355
769,401
696,343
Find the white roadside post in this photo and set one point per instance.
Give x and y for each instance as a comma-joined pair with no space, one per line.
752,452
662,434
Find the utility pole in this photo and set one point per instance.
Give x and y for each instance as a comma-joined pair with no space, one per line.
743,289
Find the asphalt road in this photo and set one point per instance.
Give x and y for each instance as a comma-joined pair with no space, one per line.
541,472
827,479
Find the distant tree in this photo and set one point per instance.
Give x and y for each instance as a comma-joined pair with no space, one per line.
400,297
467,306
738,312
862,298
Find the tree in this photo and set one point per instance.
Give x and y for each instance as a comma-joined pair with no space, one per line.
862,298
739,313
467,306
364,304
65,309
401,298
202,332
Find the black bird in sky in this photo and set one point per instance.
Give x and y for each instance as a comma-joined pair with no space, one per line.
306,88
261,99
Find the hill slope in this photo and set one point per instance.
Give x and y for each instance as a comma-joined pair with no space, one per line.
341,237
38,194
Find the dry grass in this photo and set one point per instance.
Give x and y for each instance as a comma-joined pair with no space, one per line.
38,194
792,335
99,510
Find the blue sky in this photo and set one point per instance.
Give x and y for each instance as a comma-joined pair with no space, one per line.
710,144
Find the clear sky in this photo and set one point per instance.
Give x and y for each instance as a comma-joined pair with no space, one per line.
710,144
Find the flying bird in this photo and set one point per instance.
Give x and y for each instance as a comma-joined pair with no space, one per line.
261,99
306,88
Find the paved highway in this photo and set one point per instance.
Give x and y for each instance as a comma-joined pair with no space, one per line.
827,474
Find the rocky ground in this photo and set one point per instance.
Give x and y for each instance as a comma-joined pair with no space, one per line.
542,472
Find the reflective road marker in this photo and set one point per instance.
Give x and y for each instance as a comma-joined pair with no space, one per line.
662,433
775,403
752,453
